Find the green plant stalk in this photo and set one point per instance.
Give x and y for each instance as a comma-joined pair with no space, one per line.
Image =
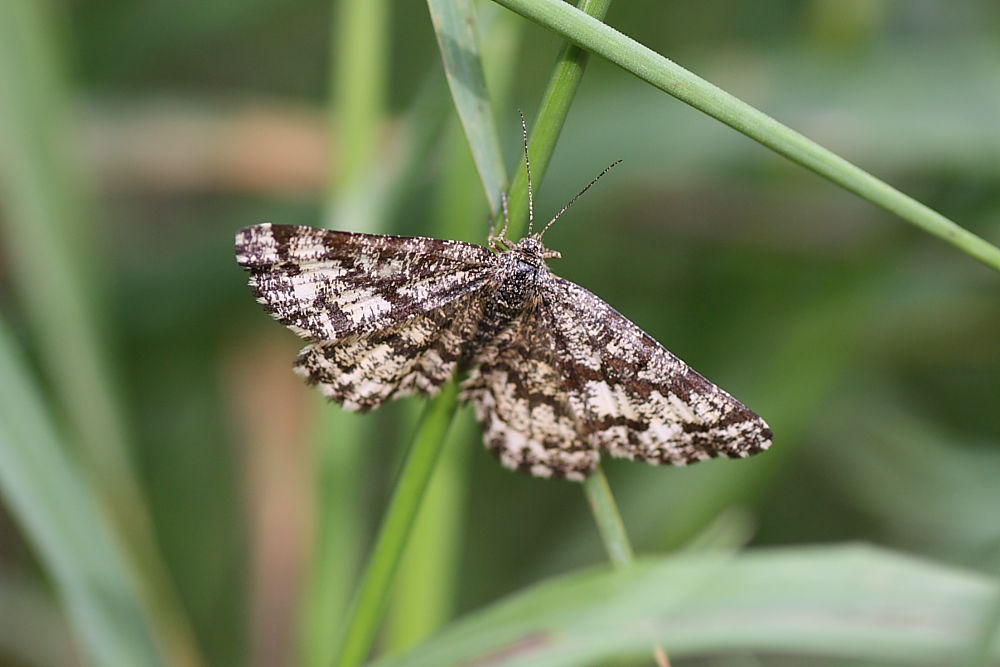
357,97
338,524
337,531
425,587
608,519
61,516
554,108
358,81
455,28
548,125
612,529
423,598
54,251
424,594
366,611
605,41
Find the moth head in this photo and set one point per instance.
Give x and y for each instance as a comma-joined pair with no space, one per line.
532,247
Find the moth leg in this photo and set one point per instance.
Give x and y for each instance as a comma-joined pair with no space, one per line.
491,235
498,242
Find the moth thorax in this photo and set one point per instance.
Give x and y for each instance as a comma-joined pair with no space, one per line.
517,282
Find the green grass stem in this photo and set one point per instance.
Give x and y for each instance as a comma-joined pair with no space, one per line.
608,519
62,518
337,531
54,245
358,80
424,595
397,523
455,27
597,37
425,589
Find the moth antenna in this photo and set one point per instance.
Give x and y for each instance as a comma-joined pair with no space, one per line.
527,169
506,215
578,195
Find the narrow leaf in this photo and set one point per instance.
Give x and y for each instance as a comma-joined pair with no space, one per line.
369,604
61,518
52,241
668,76
455,27
853,602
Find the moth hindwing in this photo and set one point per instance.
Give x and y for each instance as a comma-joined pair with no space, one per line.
556,376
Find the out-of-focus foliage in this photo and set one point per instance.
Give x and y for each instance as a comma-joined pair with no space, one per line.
872,349
868,604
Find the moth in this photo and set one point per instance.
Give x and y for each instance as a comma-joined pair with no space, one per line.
556,376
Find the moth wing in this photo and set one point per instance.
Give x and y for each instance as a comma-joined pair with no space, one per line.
518,390
635,399
328,286
414,356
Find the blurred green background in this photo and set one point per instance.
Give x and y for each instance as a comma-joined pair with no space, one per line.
139,136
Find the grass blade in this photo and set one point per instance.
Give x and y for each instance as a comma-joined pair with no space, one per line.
366,611
851,602
427,582
424,597
62,519
54,251
49,241
609,520
427,578
358,81
671,78
455,27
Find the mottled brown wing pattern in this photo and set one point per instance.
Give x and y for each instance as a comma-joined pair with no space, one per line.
556,375
414,356
518,390
328,286
635,399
